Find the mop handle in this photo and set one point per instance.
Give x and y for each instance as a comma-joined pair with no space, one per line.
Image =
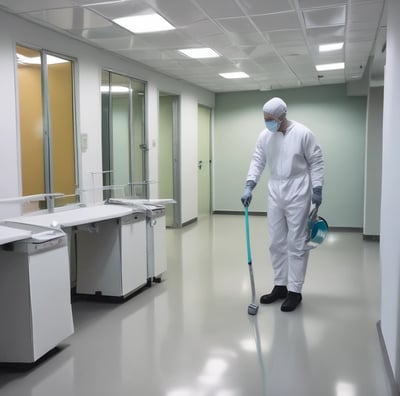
246,217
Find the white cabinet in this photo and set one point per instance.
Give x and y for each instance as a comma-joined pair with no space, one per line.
156,244
111,256
35,302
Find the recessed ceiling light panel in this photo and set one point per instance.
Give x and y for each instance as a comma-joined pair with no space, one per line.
144,23
234,75
199,53
330,47
330,66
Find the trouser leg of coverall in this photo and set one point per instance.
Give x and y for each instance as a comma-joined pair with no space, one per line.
288,233
278,230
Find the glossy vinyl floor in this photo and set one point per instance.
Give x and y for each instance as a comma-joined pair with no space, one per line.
191,335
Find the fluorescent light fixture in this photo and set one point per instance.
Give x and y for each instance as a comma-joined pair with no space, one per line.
144,23
199,53
36,60
114,89
330,66
234,75
330,47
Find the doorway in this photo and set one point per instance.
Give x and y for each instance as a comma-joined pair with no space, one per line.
204,161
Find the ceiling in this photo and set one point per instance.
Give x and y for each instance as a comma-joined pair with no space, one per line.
274,41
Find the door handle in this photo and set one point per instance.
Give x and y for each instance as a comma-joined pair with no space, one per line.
200,165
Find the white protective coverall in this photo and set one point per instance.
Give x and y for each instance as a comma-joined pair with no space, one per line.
296,166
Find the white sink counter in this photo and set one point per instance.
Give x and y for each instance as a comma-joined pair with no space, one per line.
76,216
8,234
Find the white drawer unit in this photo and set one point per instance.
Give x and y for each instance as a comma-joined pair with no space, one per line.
35,302
156,243
111,256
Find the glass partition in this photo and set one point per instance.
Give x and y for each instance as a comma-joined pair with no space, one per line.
47,126
123,136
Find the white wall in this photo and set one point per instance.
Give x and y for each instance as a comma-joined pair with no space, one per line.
390,208
91,61
188,153
9,143
373,163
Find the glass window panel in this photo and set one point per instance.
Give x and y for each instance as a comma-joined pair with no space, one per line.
139,148
31,122
123,136
60,89
47,126
120,140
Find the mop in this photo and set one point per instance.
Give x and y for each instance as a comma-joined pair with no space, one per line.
253,307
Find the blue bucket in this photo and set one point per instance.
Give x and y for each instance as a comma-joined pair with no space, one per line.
318,228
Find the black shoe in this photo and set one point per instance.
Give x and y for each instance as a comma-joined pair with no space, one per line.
278,293
292,301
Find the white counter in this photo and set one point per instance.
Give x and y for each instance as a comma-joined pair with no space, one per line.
107,246
76,216
8,235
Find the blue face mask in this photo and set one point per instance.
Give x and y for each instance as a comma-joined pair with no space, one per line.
272,125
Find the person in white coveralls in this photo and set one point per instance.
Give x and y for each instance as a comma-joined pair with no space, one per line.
296,166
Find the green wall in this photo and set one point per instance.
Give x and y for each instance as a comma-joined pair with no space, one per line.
338,121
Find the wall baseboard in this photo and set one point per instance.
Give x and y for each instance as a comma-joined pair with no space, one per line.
394,387
229,212
376,238
191,221
240,213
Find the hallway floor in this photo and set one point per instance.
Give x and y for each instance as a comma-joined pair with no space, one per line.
191,335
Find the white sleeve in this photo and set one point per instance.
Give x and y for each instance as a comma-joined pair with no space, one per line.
258,160
313,155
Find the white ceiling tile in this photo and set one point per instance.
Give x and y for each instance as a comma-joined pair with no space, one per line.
35,5
276,69
120,43
325,35
273,61
142,54
301,64
169,39
359,47
255,52
367,1
216,41
178,12
220,8
325,17
292,50
249,39
361,31
122,9
107,33
281,21
254,7
71,18
319,3
329,57
202,29
232,52
237,25
364,12
249,67
286,37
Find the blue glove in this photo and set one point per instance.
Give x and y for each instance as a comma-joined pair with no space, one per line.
248,195
317,195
